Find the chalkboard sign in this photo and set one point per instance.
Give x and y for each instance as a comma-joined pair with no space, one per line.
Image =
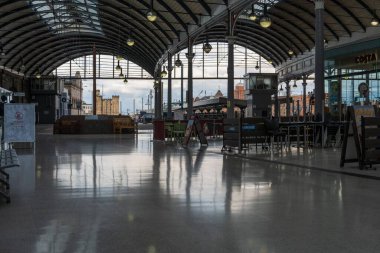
201,135
352,133
190,128
188,131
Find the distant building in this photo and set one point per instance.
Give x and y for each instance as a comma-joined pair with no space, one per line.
239,91
107,106
87,109
75,91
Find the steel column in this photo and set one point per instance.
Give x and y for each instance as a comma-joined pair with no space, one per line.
319,60
170,69
93,80
287,88
190,55
304,84
230,83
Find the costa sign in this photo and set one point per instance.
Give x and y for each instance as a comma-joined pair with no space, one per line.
365,58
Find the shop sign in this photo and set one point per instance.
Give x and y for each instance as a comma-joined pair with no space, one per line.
367,58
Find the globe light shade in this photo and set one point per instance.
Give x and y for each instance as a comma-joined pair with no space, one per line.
207,47
130,42
38,75
265,21
164,73
252,16
178,63
151,15
119,57
290,52
270,61
374,22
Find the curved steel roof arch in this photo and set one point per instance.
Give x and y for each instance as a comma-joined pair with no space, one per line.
259,47
244,35
75,56
48,54
36,37
292,26
76,52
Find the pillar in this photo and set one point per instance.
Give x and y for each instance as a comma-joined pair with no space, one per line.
304,84
231,73
170,69
190,55
319,59
287,88
93,80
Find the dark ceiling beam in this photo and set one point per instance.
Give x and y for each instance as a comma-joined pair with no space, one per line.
368,9
293,25
159,15
206,7
269,34
187,10
279,24
350,13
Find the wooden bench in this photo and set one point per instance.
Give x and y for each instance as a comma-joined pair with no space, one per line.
123,123
8,159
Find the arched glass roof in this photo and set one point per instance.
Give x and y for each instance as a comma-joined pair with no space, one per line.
42,34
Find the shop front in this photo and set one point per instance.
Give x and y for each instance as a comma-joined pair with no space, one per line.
352,76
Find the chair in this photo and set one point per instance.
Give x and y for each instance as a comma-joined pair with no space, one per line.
272,128
179,131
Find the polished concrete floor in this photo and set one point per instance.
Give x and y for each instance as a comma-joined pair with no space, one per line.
115,193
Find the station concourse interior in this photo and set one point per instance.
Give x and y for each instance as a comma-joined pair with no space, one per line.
160,126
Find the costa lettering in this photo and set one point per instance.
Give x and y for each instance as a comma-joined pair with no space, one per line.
366,58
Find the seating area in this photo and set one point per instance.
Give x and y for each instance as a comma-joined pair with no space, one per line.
270,134
8,159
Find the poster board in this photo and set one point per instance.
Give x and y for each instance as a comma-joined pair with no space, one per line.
351,150
19,123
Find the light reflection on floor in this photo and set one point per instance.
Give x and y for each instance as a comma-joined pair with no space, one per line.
127,194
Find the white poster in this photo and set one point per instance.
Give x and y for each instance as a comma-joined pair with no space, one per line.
19,123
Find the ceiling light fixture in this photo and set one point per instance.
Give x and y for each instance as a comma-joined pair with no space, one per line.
252,16
121,73
151,15
265,20
125,79
178,62
207,46
295,84
163,72
118,65
257,65
281,89
130,42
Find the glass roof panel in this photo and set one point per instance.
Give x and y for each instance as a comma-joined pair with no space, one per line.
64,16
259,8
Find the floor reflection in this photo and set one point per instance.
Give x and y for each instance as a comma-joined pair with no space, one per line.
127,194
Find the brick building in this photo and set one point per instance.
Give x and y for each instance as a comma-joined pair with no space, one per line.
107,106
